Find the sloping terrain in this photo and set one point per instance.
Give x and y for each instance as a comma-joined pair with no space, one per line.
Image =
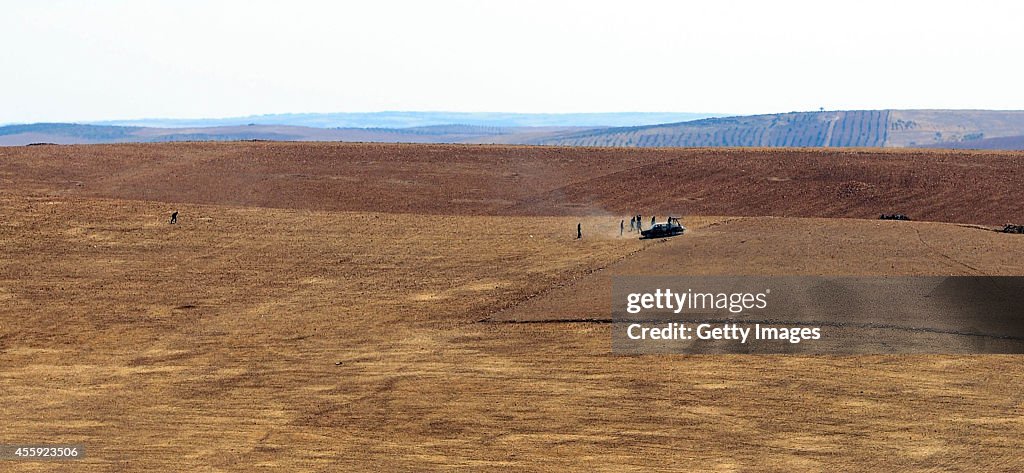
825,129
830,129
854,128
1001,143
411,119
325,307
266,339
913,128
68,133
960,187
771,246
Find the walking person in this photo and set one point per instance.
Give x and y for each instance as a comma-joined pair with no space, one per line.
579,231
174,217
622,226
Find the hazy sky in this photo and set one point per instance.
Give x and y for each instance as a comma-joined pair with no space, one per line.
100,59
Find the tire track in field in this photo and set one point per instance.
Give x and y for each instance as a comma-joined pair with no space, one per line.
946,256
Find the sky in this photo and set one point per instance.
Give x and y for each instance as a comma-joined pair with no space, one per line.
106,59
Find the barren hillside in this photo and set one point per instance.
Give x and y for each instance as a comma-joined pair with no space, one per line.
357,308
948,186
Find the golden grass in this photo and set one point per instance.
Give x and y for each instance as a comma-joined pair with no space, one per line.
259,339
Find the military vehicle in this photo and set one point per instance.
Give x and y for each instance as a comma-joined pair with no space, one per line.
1011,228
664,230
893,217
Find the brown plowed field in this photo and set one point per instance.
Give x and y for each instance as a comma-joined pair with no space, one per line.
934,185
325,307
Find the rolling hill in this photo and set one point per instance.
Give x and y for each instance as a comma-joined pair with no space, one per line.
386,307
936,185
69,133
981,129
1002,142
819,129
399,119
855,128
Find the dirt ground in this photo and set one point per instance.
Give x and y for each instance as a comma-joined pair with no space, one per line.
932,185
362,338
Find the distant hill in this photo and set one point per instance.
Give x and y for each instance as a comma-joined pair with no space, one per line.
980,129
855,128
65,133
1002,143
71,131
422,119
848,128
919,128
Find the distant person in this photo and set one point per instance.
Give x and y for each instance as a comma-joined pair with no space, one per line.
639,226
632,223
579,231
174,217
622,226
652,220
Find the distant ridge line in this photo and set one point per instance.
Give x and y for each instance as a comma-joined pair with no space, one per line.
958,129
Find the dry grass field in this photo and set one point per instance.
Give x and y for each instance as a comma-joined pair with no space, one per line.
333,307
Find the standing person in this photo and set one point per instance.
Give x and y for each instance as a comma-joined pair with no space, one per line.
622,226
579,231
652,220
639,225
174,217
632,223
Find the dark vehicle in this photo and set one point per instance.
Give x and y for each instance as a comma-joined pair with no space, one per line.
893,217
664,230
1011,228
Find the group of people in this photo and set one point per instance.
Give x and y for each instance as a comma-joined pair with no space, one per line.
635,224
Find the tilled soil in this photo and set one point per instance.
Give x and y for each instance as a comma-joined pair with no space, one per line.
343,324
